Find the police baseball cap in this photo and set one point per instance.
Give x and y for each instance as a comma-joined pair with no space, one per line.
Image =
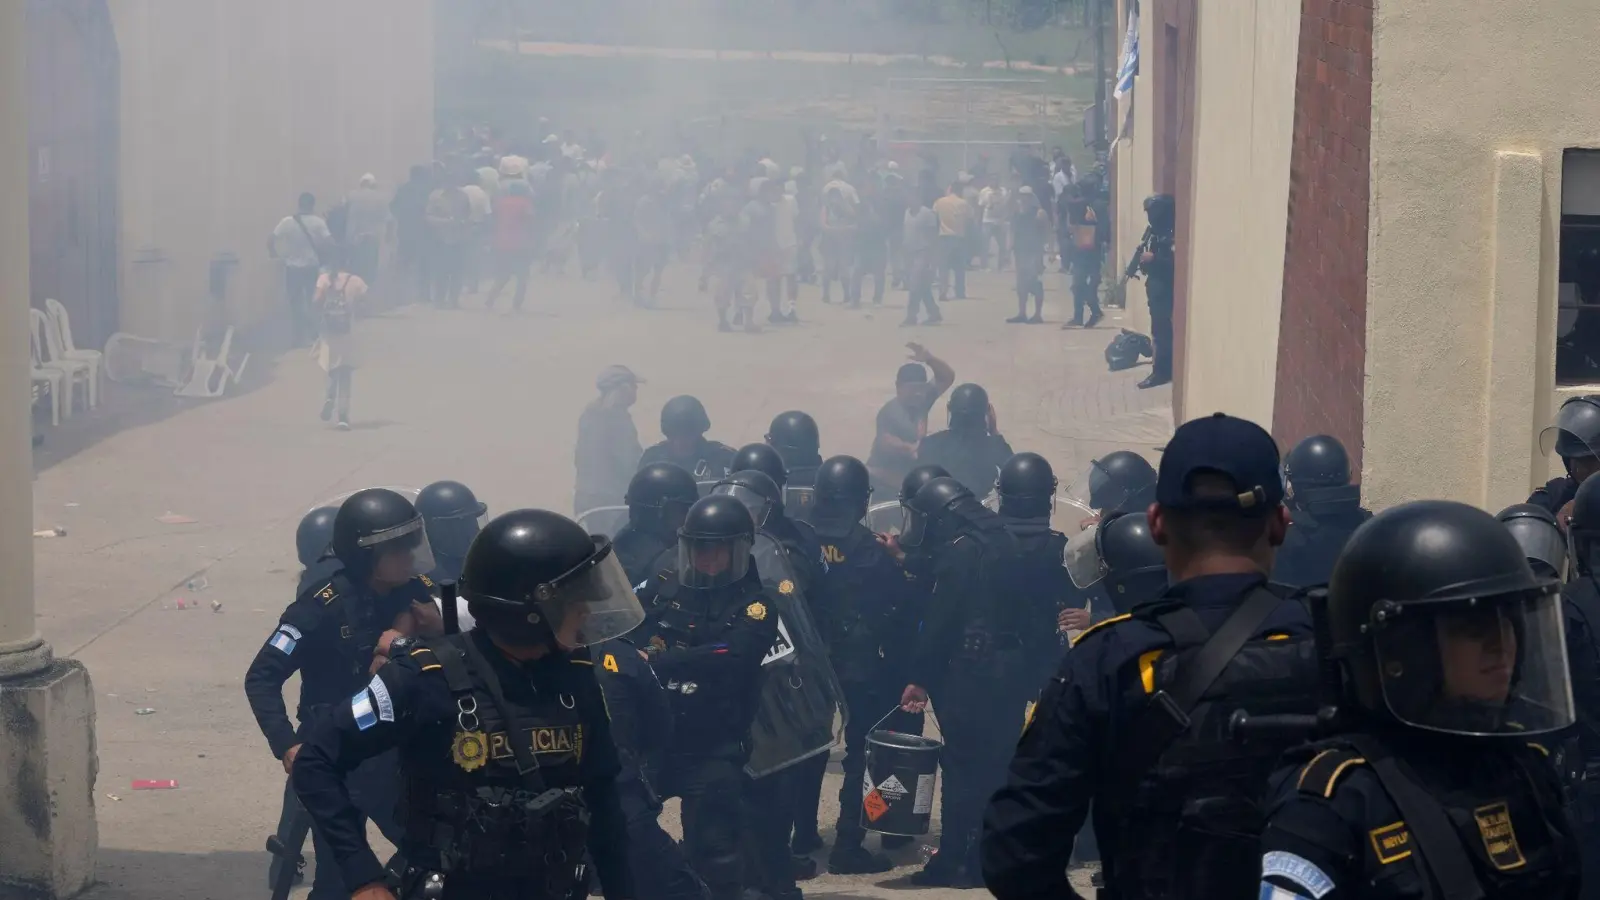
911,373
1235,448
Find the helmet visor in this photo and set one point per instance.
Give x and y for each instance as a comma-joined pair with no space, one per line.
450,536
402,551
604,520
708,562
1576,431
1083,560
884,518
914,528
760,507
1480,666
1542,543
798,501
592,603
1095,490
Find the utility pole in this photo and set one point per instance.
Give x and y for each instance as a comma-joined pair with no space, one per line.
1097,28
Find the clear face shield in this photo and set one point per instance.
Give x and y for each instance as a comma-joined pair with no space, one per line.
914,528
1096,491
450,536
884,518
1542,543
1479,667
591,603
1082,558
759,506
400,553
1576,432
710,562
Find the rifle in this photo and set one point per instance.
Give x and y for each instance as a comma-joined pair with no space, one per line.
1132,271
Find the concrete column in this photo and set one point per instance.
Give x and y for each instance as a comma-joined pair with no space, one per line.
48,838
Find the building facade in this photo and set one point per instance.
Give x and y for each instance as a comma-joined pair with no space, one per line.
1384,220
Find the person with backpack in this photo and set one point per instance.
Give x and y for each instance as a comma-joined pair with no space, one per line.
300,241
338,293
1136,719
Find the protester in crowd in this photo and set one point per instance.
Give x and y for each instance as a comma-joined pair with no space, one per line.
300,241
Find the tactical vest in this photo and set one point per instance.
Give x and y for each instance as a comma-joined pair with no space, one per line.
1044,584
858,622
495,792
1001,617
681,618
1497,840
1190,825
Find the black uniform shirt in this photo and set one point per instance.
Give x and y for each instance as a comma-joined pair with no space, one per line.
866,603
972,458
1580,619
1068,749
951,605
708,461
641,719
1334,833
324,634
1309,551
1556,493
408,704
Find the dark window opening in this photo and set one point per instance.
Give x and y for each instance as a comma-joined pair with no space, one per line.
1578,291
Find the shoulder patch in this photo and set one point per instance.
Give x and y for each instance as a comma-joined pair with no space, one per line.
1099,625
1391,843
1297,870
1321,775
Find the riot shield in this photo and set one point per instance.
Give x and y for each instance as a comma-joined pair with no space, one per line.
884,518
605,520
801,702
798,501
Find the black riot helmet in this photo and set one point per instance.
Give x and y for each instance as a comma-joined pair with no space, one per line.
1162,212
1576,433
928,513
918,477
1120,553
314,536
1542,541
1441,625
1120,481
1318,461
714,542
658,497
378,531
968,408
684,417
794,434
762,458
843,486
534,577
1027,486
1583,529
452,515
760,494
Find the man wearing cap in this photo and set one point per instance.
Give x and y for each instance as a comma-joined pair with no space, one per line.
903,421
1136,718
608,444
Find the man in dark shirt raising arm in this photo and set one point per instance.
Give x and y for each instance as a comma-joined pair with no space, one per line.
903,421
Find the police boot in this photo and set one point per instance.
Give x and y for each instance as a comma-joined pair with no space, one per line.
857,861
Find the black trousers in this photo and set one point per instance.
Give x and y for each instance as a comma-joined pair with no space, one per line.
711,786
374,788
867,702
1161,328
1085,284
768,817
980,715
661,869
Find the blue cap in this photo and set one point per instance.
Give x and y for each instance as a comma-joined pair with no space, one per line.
1225,445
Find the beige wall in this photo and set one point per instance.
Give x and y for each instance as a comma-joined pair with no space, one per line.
230,109
1472,107
1135,170
1244,124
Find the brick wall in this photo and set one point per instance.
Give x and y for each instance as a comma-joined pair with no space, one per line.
1322,338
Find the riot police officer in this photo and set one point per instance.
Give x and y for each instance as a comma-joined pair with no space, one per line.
684,424
1541,539
1580,609
763,496
1135,720
313,538
1120,481
969,447
452,515
1157,262
1450,666
865,638
709,626
659,496
887,517
1027,492
763,458
1324,508
1131,568
365,585
641,726
794,435
505,745
1575,437
970,658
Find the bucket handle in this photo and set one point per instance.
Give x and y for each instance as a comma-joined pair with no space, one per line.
896,708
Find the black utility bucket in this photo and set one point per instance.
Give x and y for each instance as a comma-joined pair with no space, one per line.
897,792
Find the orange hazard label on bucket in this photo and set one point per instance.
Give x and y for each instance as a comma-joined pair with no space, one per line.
875,806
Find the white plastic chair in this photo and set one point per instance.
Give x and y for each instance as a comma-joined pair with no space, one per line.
51,377
72,370
69,350
209,377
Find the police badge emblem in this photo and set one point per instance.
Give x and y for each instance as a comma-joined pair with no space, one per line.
470,750
757,610
786,586
658,643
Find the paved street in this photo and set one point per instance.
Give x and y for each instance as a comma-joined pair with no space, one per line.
486,398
